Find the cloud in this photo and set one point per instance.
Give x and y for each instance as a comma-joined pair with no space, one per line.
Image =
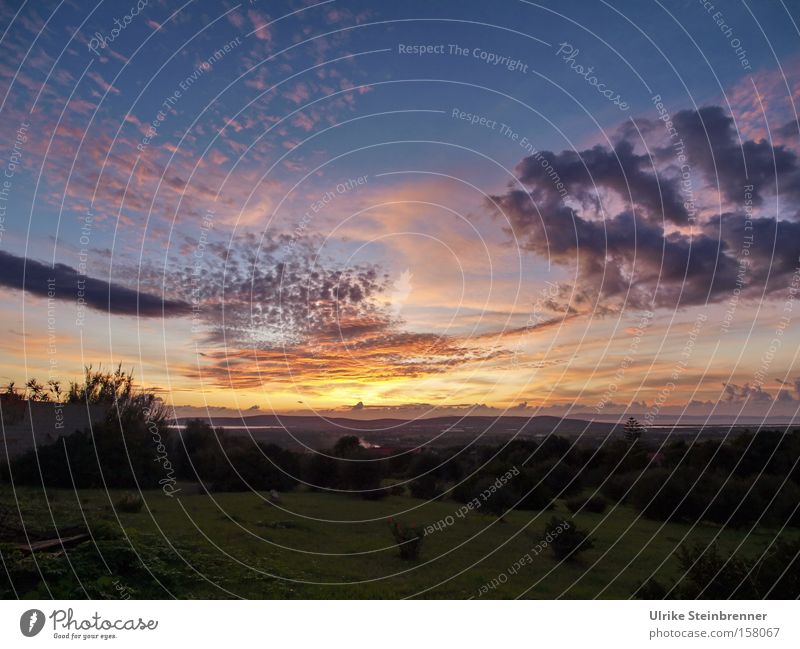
740,393
714,147
647,251
19,273
619,169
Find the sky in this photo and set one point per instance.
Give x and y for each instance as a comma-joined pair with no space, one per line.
406,209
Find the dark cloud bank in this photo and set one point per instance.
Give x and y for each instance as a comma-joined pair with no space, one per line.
62,282
639,222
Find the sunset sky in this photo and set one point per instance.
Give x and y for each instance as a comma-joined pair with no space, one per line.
406,209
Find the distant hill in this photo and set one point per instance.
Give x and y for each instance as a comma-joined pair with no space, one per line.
469,424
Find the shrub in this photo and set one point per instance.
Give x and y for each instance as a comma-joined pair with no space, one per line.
743,501
557,476
496,497
321,471
617,487
243,466
408,539
113,454
774,574
129,504
665,495
363,476
566,540
533,494
426,487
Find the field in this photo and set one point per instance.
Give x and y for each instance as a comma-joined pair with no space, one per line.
228,545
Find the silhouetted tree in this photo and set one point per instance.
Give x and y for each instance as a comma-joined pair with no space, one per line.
633,430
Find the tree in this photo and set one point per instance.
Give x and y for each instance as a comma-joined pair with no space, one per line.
36,391
425,487
347,446
565,540
633,430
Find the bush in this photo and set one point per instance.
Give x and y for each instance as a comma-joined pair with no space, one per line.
595,504
774,574
408,539
533,494
557,476
565,540
364,477
116,453
129,504
665,495
617,487
743,501
426,487
245,466
321,471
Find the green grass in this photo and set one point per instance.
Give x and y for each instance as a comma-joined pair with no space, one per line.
238,544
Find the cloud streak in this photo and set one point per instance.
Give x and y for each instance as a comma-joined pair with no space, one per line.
62,282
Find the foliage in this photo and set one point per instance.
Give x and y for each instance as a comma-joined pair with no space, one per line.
147,567
123,450
100,387
129,504
425,487
565,539
633,430
706,574
347,446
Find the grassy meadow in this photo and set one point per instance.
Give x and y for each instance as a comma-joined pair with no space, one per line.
321,545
